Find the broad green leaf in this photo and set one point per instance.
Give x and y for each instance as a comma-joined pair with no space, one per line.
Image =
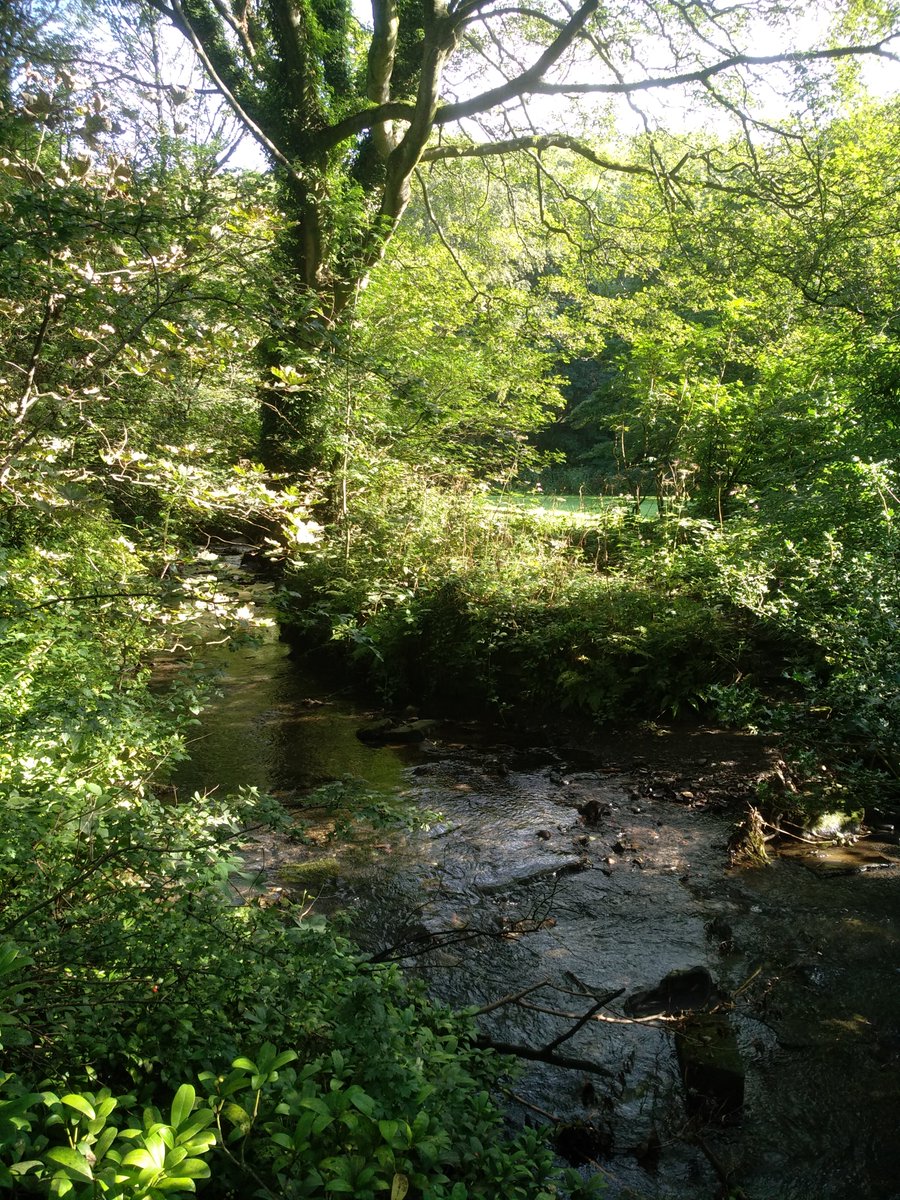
399,1186
361,1100
104,1141
201,1118
156,1147
265,1059
74,1164
142,1159
9,954
237,1116
283,1058
182,1105
80,1105
194,1168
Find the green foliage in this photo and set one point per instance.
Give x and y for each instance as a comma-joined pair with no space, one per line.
136,958
733,357
128,967
81,1151
459,601
316,1129
136,963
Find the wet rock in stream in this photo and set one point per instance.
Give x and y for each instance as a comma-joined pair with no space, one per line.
395,733
581,1142
690,990
711,1068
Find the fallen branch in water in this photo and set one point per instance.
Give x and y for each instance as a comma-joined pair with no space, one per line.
422,942
558,1012
511,999
798,837
592,1011
534,1108
737,991
543,1055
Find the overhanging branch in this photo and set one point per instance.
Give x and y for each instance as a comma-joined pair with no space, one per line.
426,199
530,82
363,119
175,12
659,172
542,141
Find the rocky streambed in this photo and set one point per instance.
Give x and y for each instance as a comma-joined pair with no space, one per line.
688,1029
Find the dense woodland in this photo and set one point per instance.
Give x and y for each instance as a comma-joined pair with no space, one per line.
366,292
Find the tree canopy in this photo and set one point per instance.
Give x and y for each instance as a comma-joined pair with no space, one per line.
349,110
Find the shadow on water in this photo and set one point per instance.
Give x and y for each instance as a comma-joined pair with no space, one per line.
581,874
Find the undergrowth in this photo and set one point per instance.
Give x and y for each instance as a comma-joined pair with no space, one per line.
458,603
162,1030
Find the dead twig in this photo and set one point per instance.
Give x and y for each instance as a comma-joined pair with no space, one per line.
798,837
543,1055
556,1012
511,999
592,1011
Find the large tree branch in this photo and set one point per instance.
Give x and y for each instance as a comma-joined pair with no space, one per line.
439,43
709,180
538,141
239,28
527,81
380,68
289,24
531,82
518,10
366,118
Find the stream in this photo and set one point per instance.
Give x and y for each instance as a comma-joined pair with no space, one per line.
744,1028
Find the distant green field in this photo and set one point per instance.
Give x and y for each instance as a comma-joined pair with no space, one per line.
570,504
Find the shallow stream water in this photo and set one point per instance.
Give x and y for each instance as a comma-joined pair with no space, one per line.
591,871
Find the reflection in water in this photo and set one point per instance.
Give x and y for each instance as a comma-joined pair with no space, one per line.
278,730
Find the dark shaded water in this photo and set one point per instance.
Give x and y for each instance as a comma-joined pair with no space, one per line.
512,886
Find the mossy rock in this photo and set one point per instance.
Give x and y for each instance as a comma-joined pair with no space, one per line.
311,873
828,823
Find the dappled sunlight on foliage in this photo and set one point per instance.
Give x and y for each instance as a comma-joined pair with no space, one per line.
695,337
